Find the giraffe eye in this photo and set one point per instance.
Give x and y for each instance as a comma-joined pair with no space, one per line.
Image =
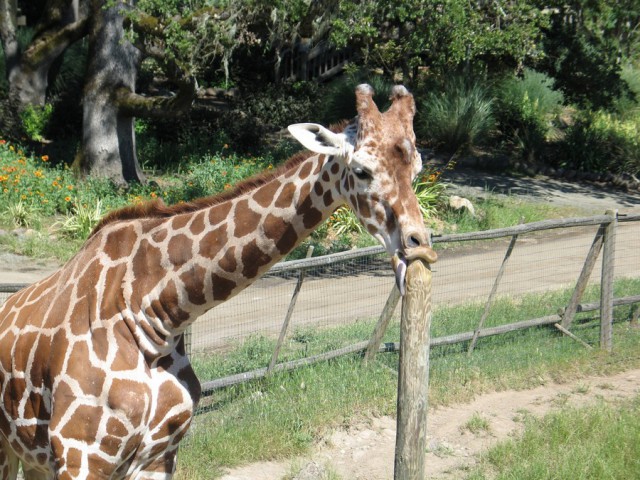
361,173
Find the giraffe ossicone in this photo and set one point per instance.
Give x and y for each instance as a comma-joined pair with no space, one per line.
94,379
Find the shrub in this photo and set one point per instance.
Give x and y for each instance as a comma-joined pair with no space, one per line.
264,109
32,181
35,120
458,118
628,105
525,111
601,142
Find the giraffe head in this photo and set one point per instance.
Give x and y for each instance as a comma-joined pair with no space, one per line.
379,162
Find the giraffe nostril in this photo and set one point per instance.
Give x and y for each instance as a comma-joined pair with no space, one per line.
413,241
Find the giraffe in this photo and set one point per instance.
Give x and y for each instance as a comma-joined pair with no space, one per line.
94,379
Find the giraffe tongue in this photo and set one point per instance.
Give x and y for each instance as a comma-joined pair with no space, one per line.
399,264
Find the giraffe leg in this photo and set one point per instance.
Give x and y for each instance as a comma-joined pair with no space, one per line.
161,468
35,475
8,462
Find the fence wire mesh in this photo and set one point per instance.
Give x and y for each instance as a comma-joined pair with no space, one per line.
339,303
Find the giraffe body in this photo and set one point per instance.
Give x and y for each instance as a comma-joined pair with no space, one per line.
94,380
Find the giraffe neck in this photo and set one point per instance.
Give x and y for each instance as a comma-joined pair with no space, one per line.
186,264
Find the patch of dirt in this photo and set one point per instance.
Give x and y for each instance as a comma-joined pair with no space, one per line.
366,451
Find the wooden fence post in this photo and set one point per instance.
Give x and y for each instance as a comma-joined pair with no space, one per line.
606,284
413,374
494,289
381,326
583,278
287,317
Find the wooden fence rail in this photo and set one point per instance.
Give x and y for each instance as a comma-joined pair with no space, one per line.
603,241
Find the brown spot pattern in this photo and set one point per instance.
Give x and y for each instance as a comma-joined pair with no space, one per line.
252,259
228,261
246,220
219,213
193,281
83,424
265,195
285,198
305,171
180,249
197,225
222,287
213,242
119,244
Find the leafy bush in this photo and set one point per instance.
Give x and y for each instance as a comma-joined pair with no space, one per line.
35,120
600,142
525,111
268,108
458,118
32,181
628,106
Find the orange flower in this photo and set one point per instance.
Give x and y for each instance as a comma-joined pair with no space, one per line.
227,186
69,187
3,142
67,199
45,158
154,194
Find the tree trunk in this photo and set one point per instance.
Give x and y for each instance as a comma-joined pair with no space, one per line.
108,136
27,71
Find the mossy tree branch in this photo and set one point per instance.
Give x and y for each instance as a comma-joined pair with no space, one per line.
135,105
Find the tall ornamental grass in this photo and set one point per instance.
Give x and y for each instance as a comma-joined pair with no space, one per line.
458,118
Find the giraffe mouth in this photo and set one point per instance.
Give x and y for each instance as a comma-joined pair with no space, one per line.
400,261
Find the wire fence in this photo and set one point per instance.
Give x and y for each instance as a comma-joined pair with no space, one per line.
348,291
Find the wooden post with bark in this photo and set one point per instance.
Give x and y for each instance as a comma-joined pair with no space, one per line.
381,326
581,284
413,374
606,284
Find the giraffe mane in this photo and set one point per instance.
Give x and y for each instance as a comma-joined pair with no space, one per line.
158,209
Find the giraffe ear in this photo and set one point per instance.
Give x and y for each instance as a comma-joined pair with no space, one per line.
318,139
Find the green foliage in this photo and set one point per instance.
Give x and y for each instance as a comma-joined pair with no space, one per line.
20,214
597,441
628,106
32,181
600,142
430,192
477,424
35,120
583,47
344,221
81,220
458,118
408,34
525,110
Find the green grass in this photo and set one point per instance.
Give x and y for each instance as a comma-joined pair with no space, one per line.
595,442
477,424
284,415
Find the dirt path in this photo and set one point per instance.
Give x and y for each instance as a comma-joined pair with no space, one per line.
366,451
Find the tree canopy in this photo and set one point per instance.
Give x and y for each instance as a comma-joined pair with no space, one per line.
152,58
